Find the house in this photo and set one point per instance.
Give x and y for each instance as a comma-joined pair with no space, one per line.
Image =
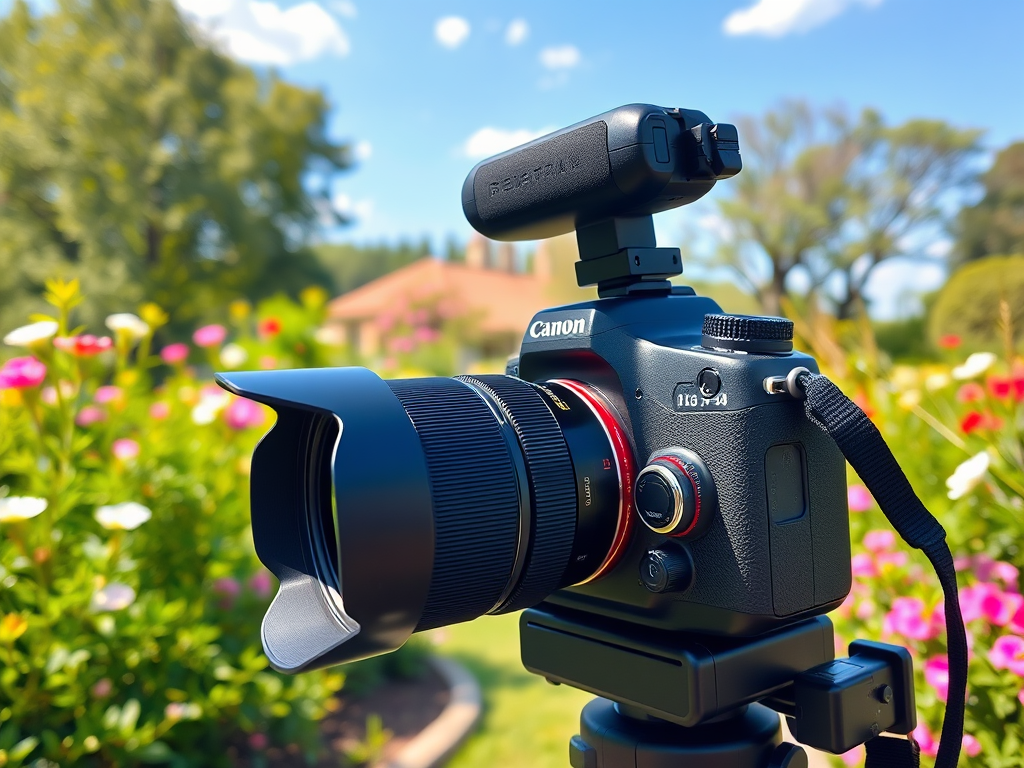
487,289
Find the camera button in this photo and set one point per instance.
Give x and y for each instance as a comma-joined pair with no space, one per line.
667,569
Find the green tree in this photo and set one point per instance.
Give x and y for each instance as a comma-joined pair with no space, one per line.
829,199
139,159
351,266
996,223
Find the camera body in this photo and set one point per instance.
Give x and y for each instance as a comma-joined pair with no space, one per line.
776,546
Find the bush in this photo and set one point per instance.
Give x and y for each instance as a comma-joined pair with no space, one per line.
983,303
131,594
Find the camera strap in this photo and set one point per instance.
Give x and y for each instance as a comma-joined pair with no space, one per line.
863,446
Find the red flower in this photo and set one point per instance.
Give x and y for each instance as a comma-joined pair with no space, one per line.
1000,386
949,341
860,399
1017,382
971,392
974,420
269,327
86,345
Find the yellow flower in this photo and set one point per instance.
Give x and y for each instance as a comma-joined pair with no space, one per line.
239,309
910,399
313,297
153,315
12,626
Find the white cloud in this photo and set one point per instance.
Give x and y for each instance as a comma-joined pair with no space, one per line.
560,57
775,18
490,141
345,8
264,33
362,150
451,31
360,210
939,249
517,31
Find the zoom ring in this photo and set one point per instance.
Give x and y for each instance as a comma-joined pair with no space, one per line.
475,495
553,485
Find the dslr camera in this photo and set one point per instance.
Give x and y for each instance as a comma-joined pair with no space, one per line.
637,479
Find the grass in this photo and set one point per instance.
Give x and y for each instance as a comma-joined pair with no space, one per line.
526,720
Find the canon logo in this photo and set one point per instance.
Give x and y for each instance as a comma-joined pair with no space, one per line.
541,330
556,168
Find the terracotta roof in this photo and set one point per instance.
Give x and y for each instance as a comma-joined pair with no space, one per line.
506,302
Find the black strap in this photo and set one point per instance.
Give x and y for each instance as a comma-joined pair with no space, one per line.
890,752
862,444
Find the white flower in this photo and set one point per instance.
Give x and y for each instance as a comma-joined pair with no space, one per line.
132,326
209,405
178,710
233,356
966,476
330,336
126,516
28,335
936,381
974,366
113,597
15,508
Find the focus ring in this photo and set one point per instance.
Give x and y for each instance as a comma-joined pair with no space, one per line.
475,496
552,481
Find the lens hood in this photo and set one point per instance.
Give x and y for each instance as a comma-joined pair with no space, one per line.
341,514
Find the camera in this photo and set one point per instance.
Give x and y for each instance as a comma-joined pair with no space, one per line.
632,473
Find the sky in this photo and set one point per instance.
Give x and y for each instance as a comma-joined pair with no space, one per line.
424,90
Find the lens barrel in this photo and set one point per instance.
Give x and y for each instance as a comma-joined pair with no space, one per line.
392,507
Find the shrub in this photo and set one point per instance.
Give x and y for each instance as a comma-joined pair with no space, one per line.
983,303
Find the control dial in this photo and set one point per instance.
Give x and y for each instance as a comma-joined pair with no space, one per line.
667,569
674,494
745,333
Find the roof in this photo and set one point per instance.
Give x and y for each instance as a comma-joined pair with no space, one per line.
505,302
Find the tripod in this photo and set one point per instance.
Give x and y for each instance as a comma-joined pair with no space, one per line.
671,699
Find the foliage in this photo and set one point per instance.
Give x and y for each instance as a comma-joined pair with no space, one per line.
983,303
131,593
995,224
138,159
351,266
829,199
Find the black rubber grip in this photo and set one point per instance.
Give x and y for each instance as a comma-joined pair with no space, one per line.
475,496
740,327
552,484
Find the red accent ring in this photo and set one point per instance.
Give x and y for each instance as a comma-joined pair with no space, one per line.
696,491
623,453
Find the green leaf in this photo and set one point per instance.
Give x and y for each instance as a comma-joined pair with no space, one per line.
129,716
154,752
23,748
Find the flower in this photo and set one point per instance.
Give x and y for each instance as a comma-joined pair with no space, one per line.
29,335
90,415
126,516
863,565
212,401
987,601
209,335
268,327
12,626
974,366
22,373
127,325
1000,386
972,747
971,392
112,597
102,688
1007,652
174,353
402,344
907,618
125,449
258,741
242,414
974,421
85,345
425,335
179,710
936,381
967,475
260,583
16,508
233,356
859,499
268,362
107,394
949,341
910,399
936,674
330,336
923,736
227,586
879,541
160,410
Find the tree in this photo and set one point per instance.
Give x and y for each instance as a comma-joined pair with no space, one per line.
136,157
351,266
996,223
829,199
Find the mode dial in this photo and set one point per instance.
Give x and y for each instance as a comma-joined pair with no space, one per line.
674,495
745,333
667,569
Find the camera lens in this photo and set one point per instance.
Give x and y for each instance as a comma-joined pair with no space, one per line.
392,507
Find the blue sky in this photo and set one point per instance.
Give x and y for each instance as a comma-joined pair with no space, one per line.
425,88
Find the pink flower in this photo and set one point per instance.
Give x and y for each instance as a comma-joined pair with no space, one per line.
402,345
227,586
859,498
22,373
89,415
936,674
854,757
863,566
879,541
86,345
865,610
160,410
1017,622
1008,653
987,569
907,618
107,394
971,745
210,335
1020,696
174,353
258,741
425,335
242,414
895,559
987,601
102,688
268,362
260,583
125,449
928,743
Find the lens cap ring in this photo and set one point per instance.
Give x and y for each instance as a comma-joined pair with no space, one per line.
552,481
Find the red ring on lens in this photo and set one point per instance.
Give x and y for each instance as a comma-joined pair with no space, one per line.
625,465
